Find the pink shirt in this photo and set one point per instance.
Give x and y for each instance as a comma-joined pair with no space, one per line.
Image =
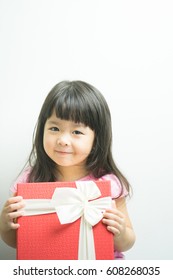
116,190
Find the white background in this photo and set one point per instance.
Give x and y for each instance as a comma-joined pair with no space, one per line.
125,49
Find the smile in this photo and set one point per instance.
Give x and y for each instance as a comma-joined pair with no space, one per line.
63,152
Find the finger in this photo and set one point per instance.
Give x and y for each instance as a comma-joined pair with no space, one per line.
13,225
15,206
13,199
112,223
114,211
115,231
14,215
113,217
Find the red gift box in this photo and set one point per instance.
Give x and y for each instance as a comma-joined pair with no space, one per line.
43,237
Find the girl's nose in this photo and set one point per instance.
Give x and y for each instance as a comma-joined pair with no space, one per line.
63,141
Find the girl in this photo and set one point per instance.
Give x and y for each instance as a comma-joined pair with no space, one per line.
72,142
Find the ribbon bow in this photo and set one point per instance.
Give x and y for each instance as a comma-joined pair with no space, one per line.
71,204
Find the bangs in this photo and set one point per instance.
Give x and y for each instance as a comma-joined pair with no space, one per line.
74,107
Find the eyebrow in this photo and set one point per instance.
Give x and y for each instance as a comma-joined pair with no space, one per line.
52,122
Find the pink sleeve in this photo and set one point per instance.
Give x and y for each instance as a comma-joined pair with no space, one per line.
116,188
21,179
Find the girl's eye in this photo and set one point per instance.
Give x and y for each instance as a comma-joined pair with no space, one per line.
54,129
77,132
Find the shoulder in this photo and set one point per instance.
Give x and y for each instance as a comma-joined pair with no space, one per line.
117,190
22,178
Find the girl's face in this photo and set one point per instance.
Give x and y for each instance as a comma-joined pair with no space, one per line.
67,143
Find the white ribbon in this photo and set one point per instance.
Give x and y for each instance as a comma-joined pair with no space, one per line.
71,204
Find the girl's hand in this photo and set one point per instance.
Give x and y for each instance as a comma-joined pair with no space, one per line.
10,212
115,222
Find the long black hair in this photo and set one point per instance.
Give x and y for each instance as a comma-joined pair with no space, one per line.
77,101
